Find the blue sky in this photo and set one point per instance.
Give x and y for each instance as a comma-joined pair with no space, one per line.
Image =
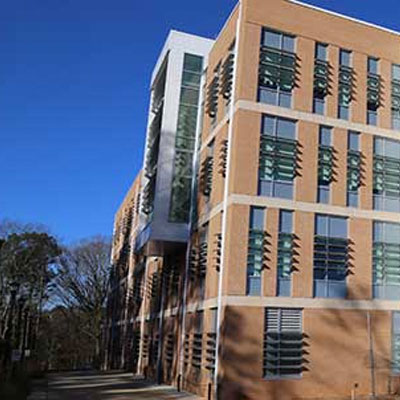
74,78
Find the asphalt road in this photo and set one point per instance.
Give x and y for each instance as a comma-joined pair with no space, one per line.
107,386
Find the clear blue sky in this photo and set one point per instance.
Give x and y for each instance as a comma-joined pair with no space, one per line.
74,78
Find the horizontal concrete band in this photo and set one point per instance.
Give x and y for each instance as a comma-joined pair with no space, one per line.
315,118
274,202
284,302
313,207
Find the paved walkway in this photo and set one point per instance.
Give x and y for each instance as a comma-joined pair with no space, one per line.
107,386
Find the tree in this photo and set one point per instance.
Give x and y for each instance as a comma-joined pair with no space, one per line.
26,260
81,287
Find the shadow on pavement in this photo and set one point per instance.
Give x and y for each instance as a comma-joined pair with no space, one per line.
108,386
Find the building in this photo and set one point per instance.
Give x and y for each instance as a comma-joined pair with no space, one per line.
277,274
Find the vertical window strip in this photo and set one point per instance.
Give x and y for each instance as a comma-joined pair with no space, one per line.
285,253
203,252
386,261
374,85
185,139
197,350
169,349
255,251
278,157
396,342
277,69
206,171
227,76
283,343
321,78
211,343
386,175
212,96
353,168
346,84
325,164
331,256
395,96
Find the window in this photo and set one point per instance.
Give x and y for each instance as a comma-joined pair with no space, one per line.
211,343
185,139
345,58
396,96
386,261
373,65
386,175
330,256
321,51
321,78
283,343
325,164
202,258
278,40
255,252
285,253
278,157
373,91
277,70
345,84
213,89
197,340
206,172
353,168
227,76
396,342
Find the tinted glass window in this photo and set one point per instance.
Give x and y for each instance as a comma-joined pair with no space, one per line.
321,227
272,39
325,136
354,141
288,43
286,222
193,63
338,227
268,125
396,71
257,218
286,128
379,147
345,58
378,232
392,148
372,65
321,51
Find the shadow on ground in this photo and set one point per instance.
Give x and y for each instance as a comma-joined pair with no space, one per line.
107,386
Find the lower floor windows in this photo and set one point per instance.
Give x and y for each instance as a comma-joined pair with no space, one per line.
285,253
343,112
255,252
282,189
319,105
330,256
275,96
372,117
386,261
396,122
352,199
323,194
283,343
396,342
386,203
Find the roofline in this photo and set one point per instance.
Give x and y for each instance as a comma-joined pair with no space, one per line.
369,24
173,34
237,5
